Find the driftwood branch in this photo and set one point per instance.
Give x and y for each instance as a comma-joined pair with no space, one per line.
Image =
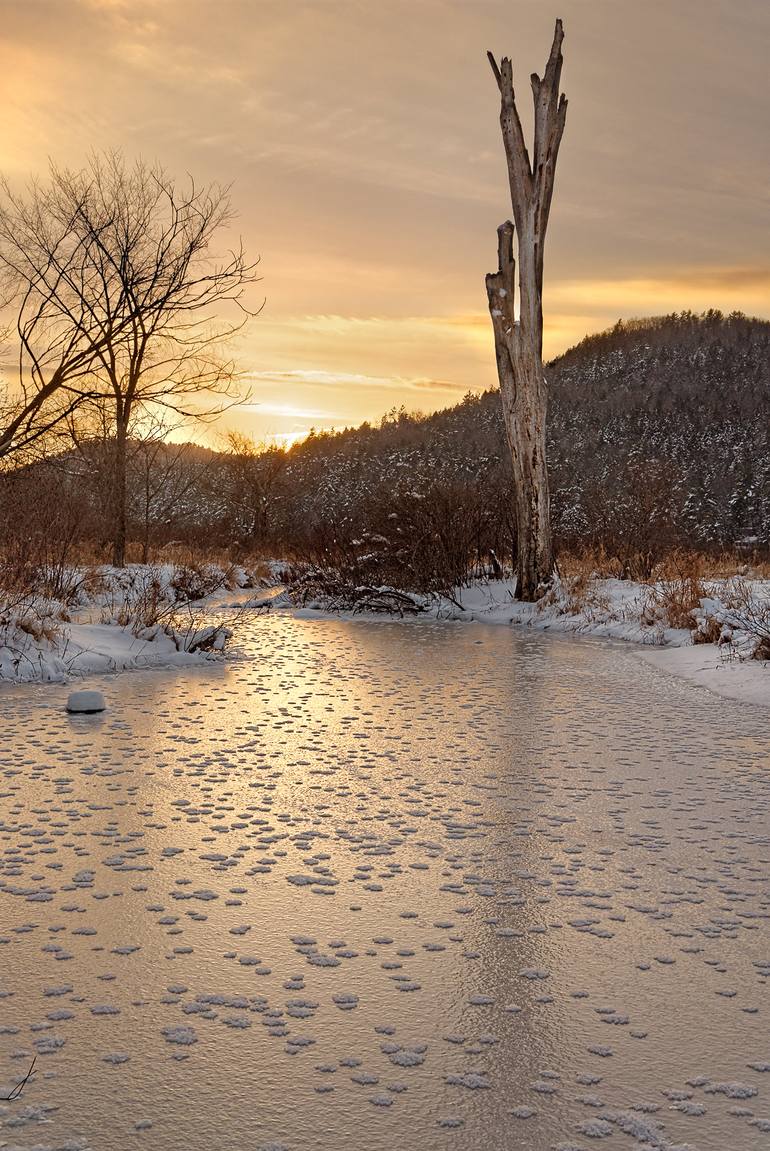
338,592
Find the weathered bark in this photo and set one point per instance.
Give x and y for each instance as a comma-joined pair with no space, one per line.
519,342
118,509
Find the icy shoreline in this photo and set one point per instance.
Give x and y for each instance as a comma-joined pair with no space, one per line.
614,609
610,609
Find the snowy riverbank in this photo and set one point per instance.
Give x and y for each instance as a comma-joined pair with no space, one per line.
114,620
634,612
89,649
166,616
624,610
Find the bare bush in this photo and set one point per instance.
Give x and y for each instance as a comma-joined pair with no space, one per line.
195,581
152,603
748,612
427,541
41,518
577,594
26,621
677,596
147,597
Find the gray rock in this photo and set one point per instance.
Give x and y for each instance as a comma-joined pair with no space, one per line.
86,702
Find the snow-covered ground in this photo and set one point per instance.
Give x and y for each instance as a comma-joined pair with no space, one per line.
122,619
704,664
89,649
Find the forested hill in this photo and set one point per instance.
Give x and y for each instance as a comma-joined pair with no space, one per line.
659,438
659,432
717,363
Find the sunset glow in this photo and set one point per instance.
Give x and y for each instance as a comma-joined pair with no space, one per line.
371,187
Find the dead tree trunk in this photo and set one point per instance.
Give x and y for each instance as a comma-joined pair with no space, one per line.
519,342
119,492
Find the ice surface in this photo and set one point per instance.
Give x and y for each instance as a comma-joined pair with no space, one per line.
544,922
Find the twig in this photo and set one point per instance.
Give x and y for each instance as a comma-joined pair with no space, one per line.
17,1090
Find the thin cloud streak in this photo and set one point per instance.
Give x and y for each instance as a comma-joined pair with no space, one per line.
318,378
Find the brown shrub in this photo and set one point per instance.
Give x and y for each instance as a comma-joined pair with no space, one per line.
679,589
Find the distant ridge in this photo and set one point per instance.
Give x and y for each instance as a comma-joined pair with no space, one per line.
665,420
659,438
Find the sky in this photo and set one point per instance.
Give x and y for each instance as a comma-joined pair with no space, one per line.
361,139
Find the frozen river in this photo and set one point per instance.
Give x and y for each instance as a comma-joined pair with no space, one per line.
387,886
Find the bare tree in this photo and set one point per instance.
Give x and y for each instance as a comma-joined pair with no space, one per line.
152,292
45,267
161,475
251,473
519,342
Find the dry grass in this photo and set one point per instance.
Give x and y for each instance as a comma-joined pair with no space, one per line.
678,590
183,554
577,594
38,626
674,593
604,564
593,563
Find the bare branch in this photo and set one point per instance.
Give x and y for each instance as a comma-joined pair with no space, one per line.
495,69
17,1090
